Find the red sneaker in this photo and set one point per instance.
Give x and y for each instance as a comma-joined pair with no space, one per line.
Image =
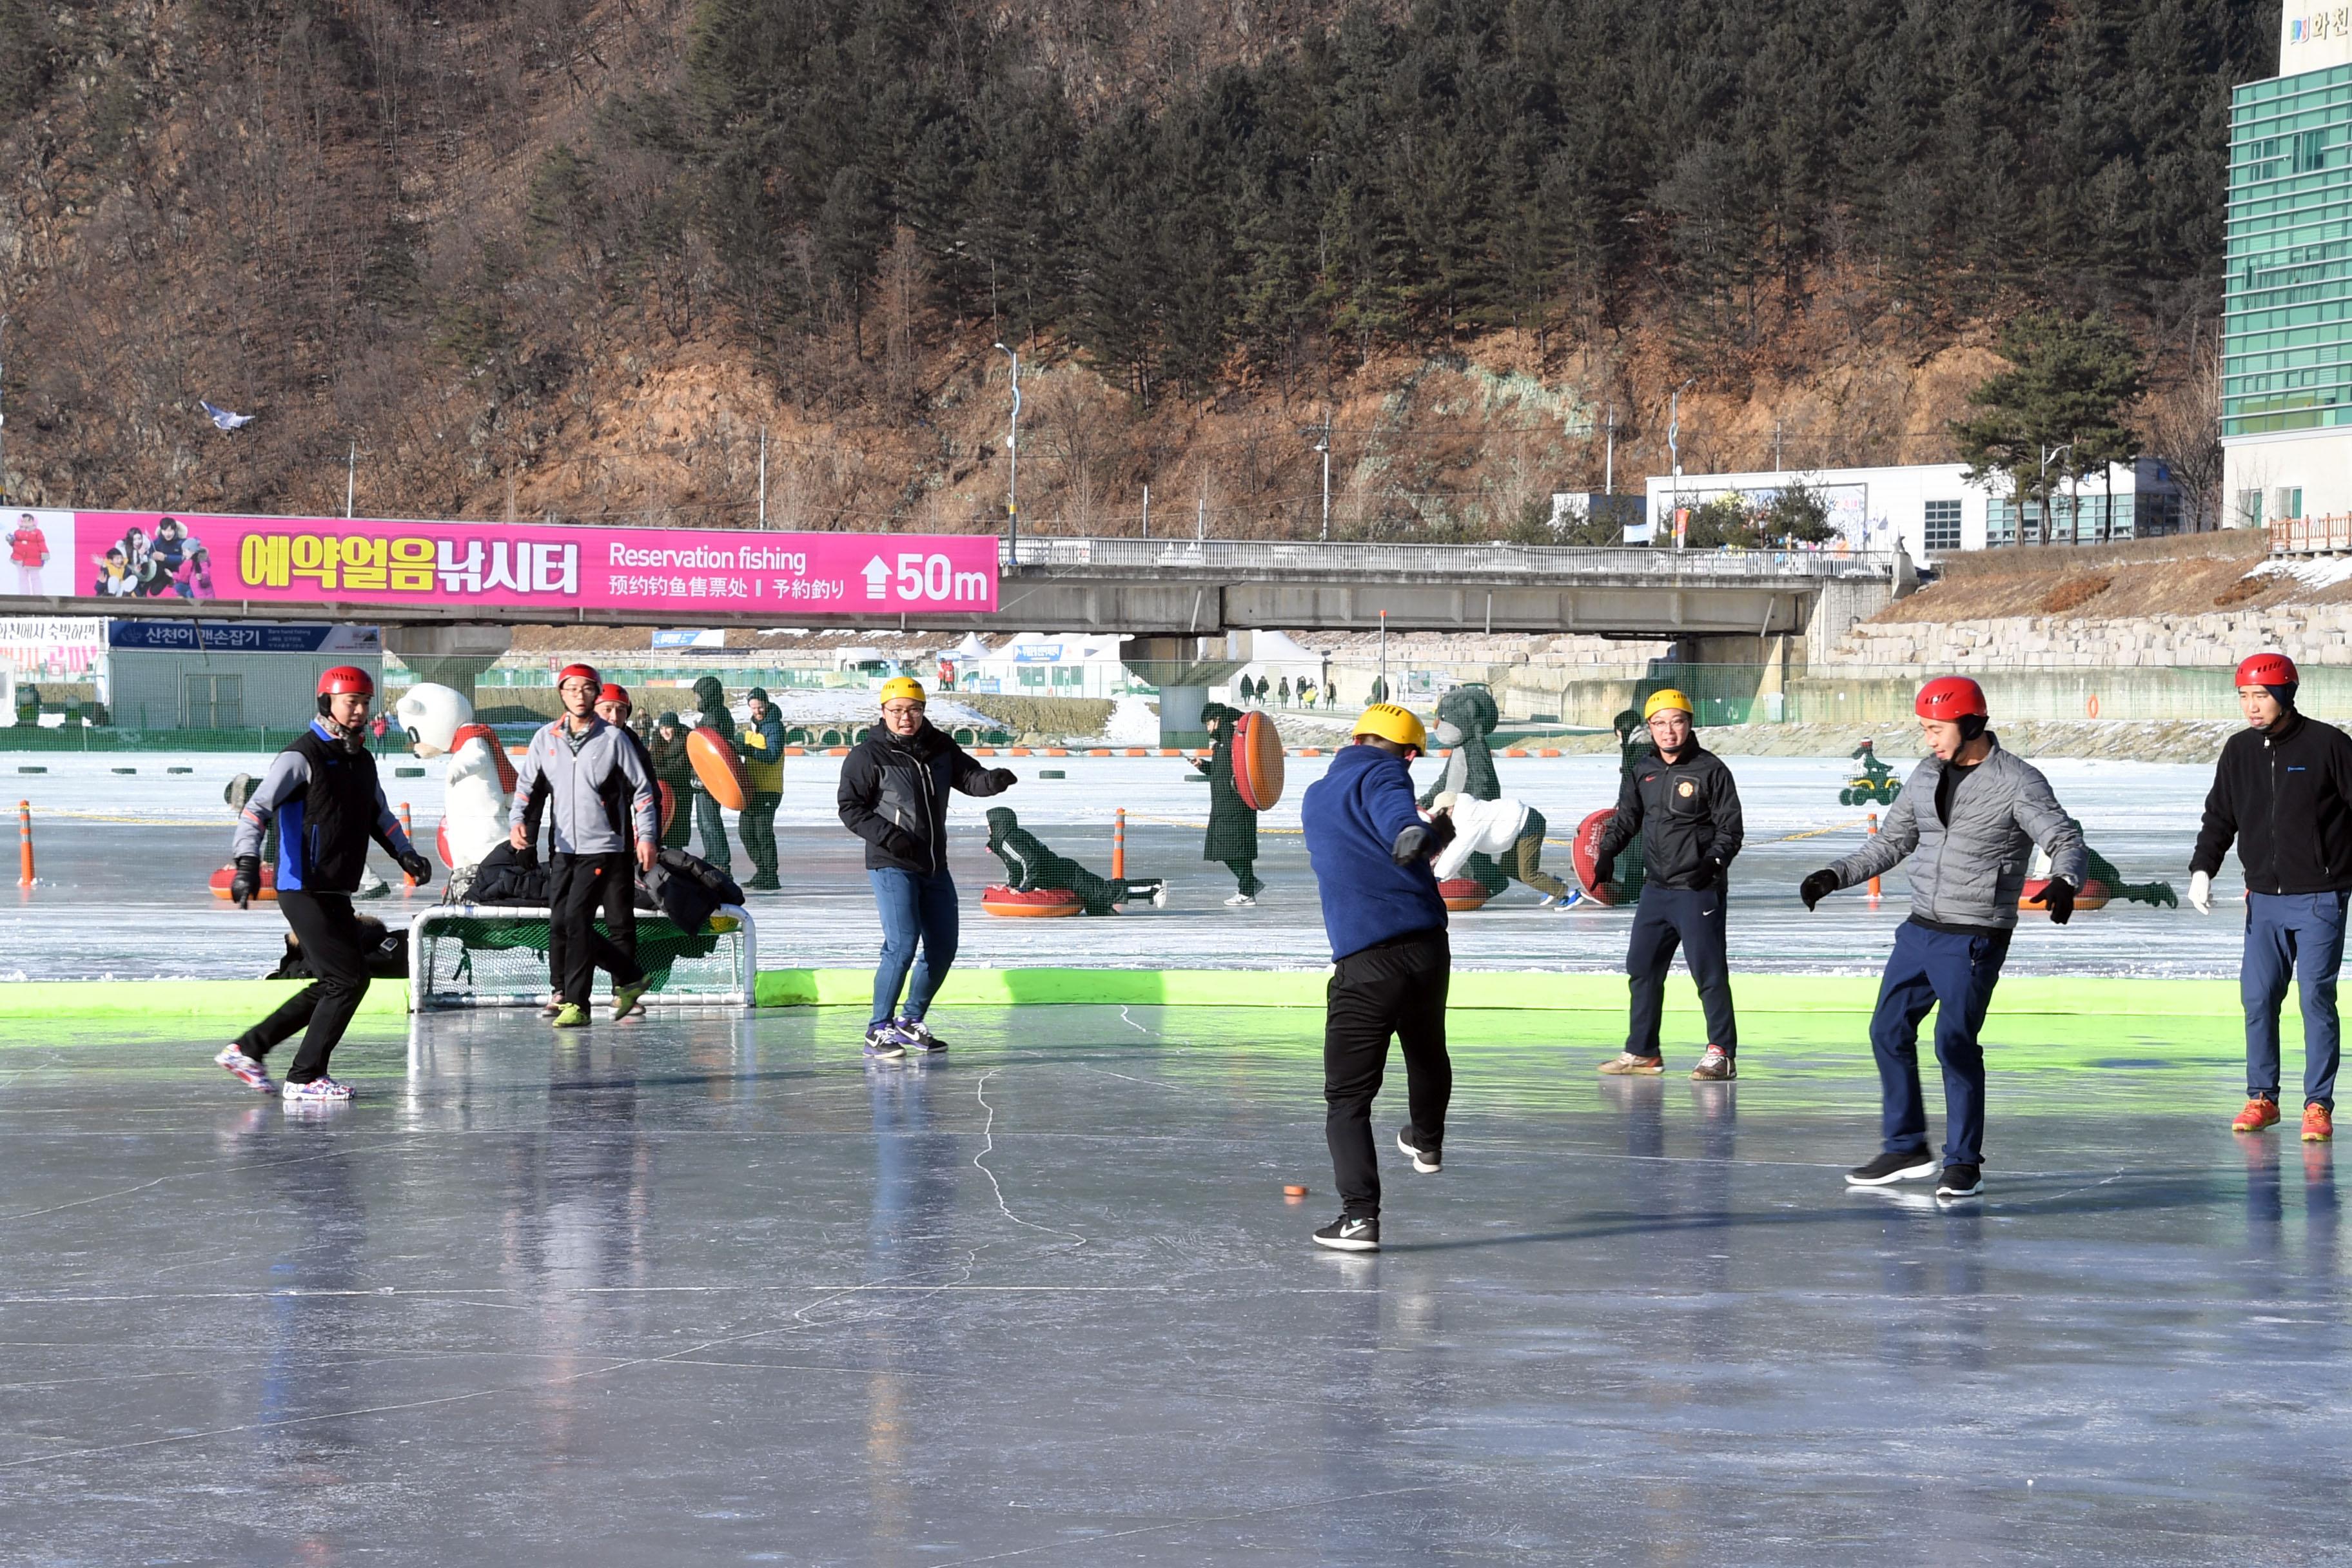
2259,1113
2318,1125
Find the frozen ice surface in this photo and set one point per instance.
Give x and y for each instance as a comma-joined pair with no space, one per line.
124,859
704,1290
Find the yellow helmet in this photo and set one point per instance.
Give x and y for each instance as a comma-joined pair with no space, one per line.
1666,698
1394,723
903,687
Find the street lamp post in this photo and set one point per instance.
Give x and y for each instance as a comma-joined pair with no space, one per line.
1012,446
1675,456
1324,446
2047,454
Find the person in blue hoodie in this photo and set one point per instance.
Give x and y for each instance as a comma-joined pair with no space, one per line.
1370,849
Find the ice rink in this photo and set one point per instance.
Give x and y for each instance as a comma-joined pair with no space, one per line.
123,860
705,1290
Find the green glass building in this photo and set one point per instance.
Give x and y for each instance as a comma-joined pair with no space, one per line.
2286,358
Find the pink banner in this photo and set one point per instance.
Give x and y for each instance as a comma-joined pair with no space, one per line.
310,561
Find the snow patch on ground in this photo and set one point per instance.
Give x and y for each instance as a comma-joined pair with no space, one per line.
1134,721
2326,572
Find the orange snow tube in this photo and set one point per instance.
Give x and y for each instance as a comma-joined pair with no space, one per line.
1463,894
1258,761
1584,852
1038,903
717,767
2094,895
228,874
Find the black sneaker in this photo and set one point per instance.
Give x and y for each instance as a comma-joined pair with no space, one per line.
1960,1182
1426,1159
1891,1168
1347,1234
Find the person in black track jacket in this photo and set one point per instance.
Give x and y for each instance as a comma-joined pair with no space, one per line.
894,795
2283,792
1682,802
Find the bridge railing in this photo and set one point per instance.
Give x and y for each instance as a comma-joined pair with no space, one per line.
1452,561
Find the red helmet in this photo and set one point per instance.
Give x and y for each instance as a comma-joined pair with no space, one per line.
346,677
612,693
2268,669
1951,698
586,672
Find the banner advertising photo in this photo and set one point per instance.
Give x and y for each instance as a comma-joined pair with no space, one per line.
309,563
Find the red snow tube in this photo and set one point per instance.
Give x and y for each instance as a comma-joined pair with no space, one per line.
441,846
668,805
228,874
1463,894
1584,851
1038,902
2094,896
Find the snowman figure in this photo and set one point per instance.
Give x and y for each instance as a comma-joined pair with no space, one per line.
439,721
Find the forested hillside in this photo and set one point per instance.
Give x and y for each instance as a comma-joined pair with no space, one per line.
571,257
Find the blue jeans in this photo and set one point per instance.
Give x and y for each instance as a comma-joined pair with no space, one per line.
1954,975
915,908
2301,935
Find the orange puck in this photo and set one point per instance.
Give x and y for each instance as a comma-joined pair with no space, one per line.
1293,1191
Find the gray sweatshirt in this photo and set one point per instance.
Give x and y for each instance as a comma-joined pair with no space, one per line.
597,789
1970,873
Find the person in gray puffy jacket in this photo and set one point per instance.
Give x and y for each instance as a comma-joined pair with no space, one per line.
1967,821
595,783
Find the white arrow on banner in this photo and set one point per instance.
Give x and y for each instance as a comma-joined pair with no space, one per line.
878,578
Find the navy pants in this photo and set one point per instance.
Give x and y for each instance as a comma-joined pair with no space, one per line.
2297,935
1665,917
916,911
1955,975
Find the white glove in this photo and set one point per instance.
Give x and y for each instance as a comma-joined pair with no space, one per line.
2200,891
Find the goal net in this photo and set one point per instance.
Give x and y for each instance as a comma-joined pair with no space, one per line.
483,955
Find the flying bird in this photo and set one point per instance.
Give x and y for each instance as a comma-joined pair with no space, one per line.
222,418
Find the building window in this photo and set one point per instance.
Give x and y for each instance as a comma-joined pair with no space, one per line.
2250,508
1943,530
2000,524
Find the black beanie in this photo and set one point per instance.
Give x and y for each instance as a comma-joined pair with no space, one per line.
2283,693
1972,725
757,694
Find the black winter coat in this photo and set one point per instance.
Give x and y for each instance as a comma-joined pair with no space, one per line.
2286,799
894,795
1686,813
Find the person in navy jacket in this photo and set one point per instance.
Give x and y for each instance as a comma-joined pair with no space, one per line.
1370,849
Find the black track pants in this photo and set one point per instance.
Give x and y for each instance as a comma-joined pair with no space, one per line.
1397,988
336,951
577,887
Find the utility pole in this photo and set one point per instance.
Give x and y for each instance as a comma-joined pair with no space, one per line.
1776,445
4,418
763,476
350,478
1324,446
1609,461
1146,511
1012,446
1201,527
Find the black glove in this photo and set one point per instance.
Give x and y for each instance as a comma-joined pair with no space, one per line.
897,841
1442,831
2059,897
1604,870
1817,887
419,869
1002,779
1412,844
246,882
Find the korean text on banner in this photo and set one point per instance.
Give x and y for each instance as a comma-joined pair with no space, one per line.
364,561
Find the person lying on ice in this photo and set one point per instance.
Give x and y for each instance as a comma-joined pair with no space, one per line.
1967,819
1029,865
